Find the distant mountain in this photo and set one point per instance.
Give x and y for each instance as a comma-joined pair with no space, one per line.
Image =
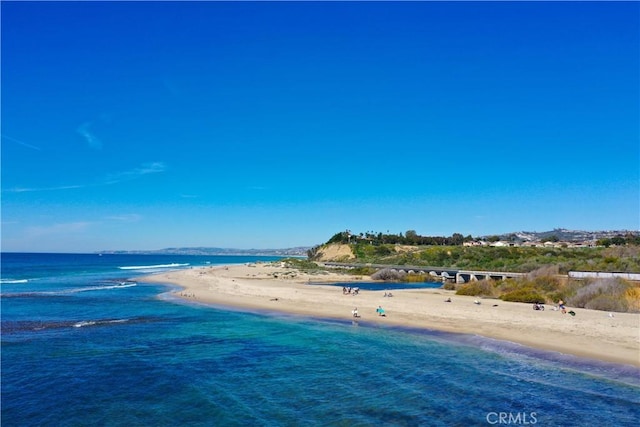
298,251
564,235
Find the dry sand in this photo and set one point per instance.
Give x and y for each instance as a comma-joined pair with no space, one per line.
272,287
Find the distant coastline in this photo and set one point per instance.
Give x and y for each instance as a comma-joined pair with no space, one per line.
558,235
287,252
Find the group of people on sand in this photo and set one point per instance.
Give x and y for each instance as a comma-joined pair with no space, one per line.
561,306
379,310
350,290
537,306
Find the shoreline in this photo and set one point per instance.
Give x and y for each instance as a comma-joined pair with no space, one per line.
271,287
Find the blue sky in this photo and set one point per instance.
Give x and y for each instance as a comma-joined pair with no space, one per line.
143,125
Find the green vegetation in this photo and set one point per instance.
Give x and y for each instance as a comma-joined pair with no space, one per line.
483,288
304,265
529,295
514,259
417,278
598,294
629,239
609,295
412,238
409,238
546,267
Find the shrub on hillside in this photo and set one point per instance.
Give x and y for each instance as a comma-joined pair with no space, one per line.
529,295
300,264
382,250
608,303
566,291
476,289
388,274
449,286
416,278
557,296
602,294
541,287
633,299
545,271
508,285
361,271
313,252
546,283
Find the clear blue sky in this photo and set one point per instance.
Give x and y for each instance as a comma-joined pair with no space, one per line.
143,125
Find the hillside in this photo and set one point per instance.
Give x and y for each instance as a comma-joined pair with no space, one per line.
334,252
545,265
515,259
562,235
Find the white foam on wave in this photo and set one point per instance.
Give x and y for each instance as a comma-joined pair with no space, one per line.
89,289
97,322
120,285
149,267
103,288
14,280
83,323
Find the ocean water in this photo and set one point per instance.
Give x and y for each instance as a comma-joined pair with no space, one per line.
85,344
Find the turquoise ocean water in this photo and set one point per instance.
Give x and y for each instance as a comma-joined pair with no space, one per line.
82,346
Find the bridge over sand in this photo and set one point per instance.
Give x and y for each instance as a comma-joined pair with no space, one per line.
443,274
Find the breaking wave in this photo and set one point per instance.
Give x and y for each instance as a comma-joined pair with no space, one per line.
9,327
61,292
151,267
98,322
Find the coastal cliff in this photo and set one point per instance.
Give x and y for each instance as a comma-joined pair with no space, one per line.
339,252
334,252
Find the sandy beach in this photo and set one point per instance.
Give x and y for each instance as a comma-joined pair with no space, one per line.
273,287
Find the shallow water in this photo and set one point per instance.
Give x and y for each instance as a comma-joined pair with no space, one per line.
77,349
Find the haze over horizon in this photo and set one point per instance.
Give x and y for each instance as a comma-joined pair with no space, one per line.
147,125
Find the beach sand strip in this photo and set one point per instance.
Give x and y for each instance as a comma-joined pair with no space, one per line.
612,337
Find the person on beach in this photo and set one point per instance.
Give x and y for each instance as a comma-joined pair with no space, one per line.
562,307
380,311
355,312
